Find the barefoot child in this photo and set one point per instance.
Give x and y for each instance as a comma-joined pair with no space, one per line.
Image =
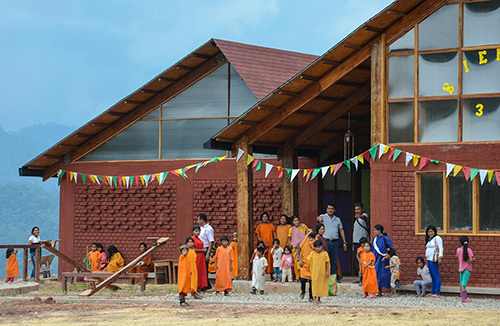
276,253
423,272
12,268
183,276
286,265
319,264
465,258
223,267
370,284
394,266
259,265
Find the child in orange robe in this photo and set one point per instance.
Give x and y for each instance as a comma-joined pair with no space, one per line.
370,284
95,258
183,276
145,265
223,266
194,270
359,252
266,231
116,261
12,268
303,252
211,262
234,245
282,231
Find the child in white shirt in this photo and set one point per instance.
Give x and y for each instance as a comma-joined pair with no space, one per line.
276,253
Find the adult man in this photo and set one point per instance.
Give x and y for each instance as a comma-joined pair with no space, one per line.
333,227
359,230
207,236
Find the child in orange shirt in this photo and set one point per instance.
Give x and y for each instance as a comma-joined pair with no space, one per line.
370,285
211,262
184,276
359,252
12,267
95,257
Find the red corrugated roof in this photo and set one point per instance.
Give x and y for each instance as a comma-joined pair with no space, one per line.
263,69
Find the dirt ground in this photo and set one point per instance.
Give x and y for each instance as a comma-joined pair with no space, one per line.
48,312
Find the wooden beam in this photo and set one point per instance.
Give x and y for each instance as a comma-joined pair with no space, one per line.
84,135
133,102
117,114
201,56
354,60
336,63
150,91
183,83
334,113
244,209
396,13
180,67
374,29
287,93
268,108
96,124
349,84
54,157
170,80
378,110
306,77
352,46
289,189
328,99
66,145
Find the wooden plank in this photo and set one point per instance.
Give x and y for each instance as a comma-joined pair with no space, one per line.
63,257
289,189
334,113
25,265
244,210
186,81
378,111
116,275
36,264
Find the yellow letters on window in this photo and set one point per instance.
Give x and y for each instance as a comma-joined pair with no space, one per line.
482,59
479,108
447,87
498,54
466,67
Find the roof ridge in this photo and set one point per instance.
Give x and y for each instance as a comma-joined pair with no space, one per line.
263,47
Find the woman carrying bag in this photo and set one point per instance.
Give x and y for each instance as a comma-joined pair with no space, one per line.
434,255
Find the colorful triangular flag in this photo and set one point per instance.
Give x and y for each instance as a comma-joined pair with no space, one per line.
423,162
473,173
409,157
466,171
373,152
456,169
269,167
449,168
482,175
240,153
324,171
397,152
294,173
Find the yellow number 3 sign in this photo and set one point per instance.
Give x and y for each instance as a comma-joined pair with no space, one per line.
479,108
447,87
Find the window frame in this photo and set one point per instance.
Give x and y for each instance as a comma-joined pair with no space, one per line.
446,207
459,96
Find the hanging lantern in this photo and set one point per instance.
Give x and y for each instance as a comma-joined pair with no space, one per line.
348,140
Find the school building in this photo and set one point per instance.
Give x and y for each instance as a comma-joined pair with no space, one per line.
422,76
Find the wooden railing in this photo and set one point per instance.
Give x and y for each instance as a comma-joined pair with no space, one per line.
38,258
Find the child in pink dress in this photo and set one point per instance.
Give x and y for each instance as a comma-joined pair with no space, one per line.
286,264
465,258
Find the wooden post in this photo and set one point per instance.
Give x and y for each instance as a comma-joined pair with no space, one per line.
244,181
289,189
25,265
36,264
378,91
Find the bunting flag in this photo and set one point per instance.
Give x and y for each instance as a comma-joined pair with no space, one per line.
249,159
397,152
75,176
361,158
332,168
423,162
497,174
348,164
163,176
198,166
289,172
354,160
324,171
127,182
482,175
409,157
456,169
466,171
373,152
382,149
240,153
309,175
254,163
294,174
337,168
269,167
120,181
415,159
449,168
146,178
315,173
280,172
92,178
490,175
473,173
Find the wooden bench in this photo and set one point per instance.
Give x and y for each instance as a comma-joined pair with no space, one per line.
45,263
69,275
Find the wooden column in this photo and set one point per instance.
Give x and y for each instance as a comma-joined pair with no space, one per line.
378,91
244,206
290,193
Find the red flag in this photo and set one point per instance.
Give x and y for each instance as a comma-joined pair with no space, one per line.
497,174
119,181
254,163
308,176
466,171
391,153
153,176
423,162
136,180
367,156
338,166
280,172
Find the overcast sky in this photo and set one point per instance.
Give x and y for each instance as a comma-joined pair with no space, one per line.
67,61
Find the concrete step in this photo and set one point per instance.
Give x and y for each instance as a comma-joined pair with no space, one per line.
9,289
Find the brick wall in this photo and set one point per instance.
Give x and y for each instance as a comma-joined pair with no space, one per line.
124,218
409,246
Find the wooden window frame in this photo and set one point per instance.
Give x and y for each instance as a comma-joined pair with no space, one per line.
446,208
459,88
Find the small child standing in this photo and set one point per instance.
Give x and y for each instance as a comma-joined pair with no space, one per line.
223,267
319,264
211,262
12,268
95,257
423,272
259,265
286,264
276,253
370,284
394,266
194,269
359,252
184,276
465,258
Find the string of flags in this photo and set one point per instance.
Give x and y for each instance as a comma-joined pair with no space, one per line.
129,181
375,153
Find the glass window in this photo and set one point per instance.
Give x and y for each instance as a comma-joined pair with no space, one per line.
438,121
482,23
480,119
401,76
404,43
206,98
401,119
460,191
140,141
241,97
431,200
440,30
489,206
481,78
153,115
185,138
436,70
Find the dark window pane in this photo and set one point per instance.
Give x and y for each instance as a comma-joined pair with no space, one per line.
440,30
153,115
483,127
401,80
404,43
482,23
481,78
436,70
489,206
401,117
460,204
438,121
241,97
431,200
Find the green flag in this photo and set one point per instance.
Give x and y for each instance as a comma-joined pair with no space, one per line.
373,151
198,166
397,152
315,173
348,164
435,161
260,165
473,173
60,177
84,177
115,181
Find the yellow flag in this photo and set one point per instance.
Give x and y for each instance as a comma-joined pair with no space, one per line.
490,175
71,176
305,172
249,159
92,178
361,158
415,159
124,181
386,149
456,169
332,167
222,157
142,180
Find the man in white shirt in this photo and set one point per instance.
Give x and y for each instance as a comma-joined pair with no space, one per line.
360,230
207,236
